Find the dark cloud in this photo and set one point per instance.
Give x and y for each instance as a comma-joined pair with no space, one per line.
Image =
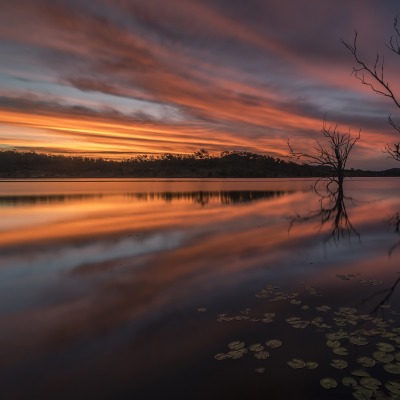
250,70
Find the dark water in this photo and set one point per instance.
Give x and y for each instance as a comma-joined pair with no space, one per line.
130,289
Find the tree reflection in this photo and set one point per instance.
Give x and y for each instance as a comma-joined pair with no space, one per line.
394,223
332,212
383,296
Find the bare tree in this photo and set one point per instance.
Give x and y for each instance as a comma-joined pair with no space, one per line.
333,154
373,76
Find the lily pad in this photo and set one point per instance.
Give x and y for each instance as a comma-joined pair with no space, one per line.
235,354
338,364
359,372
221,356
333,343
370,383
236,345
362,393
383,357
260,370
273,343
349,381
323,308
340,351
366,361
386,347
256,347
311,364
393,387
261,355
328,383
358,340
296,363
392,368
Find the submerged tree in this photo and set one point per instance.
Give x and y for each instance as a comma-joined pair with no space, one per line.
373,76
333,154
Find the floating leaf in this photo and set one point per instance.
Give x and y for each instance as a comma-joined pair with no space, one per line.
260,370
397,356
293,320
261,355
221,356
359,372
296,302
328,383
256,347
388,334
333,343
311,364
323,308
273,343
358,340
340,351
338,364
393,387
362,393
202,309
235,354
349,381
386,347
392,368
383,357
366,361
296,363
370,383
305,307
347,310
236,345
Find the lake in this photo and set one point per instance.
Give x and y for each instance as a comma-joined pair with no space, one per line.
199,289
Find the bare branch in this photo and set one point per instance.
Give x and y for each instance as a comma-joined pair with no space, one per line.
382,87
374,78
333,155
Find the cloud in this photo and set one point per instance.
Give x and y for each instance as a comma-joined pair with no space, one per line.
231,73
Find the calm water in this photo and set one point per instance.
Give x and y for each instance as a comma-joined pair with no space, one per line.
140,289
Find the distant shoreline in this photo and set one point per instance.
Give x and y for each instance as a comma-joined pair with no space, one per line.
199,165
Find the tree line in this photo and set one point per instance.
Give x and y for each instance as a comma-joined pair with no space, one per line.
201,164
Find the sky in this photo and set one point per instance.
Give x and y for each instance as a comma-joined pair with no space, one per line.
117,78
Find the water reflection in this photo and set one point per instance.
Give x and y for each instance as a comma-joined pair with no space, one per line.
394,224
198,197
101,291
331,213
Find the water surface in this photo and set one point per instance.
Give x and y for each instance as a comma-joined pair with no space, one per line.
130,288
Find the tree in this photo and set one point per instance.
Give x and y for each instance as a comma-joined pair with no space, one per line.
373,76
333,155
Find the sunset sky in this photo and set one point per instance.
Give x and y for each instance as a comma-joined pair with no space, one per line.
115,78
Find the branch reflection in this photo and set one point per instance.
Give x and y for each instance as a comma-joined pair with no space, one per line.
394,223
332,212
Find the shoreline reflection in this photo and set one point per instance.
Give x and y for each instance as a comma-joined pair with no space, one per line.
198,197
